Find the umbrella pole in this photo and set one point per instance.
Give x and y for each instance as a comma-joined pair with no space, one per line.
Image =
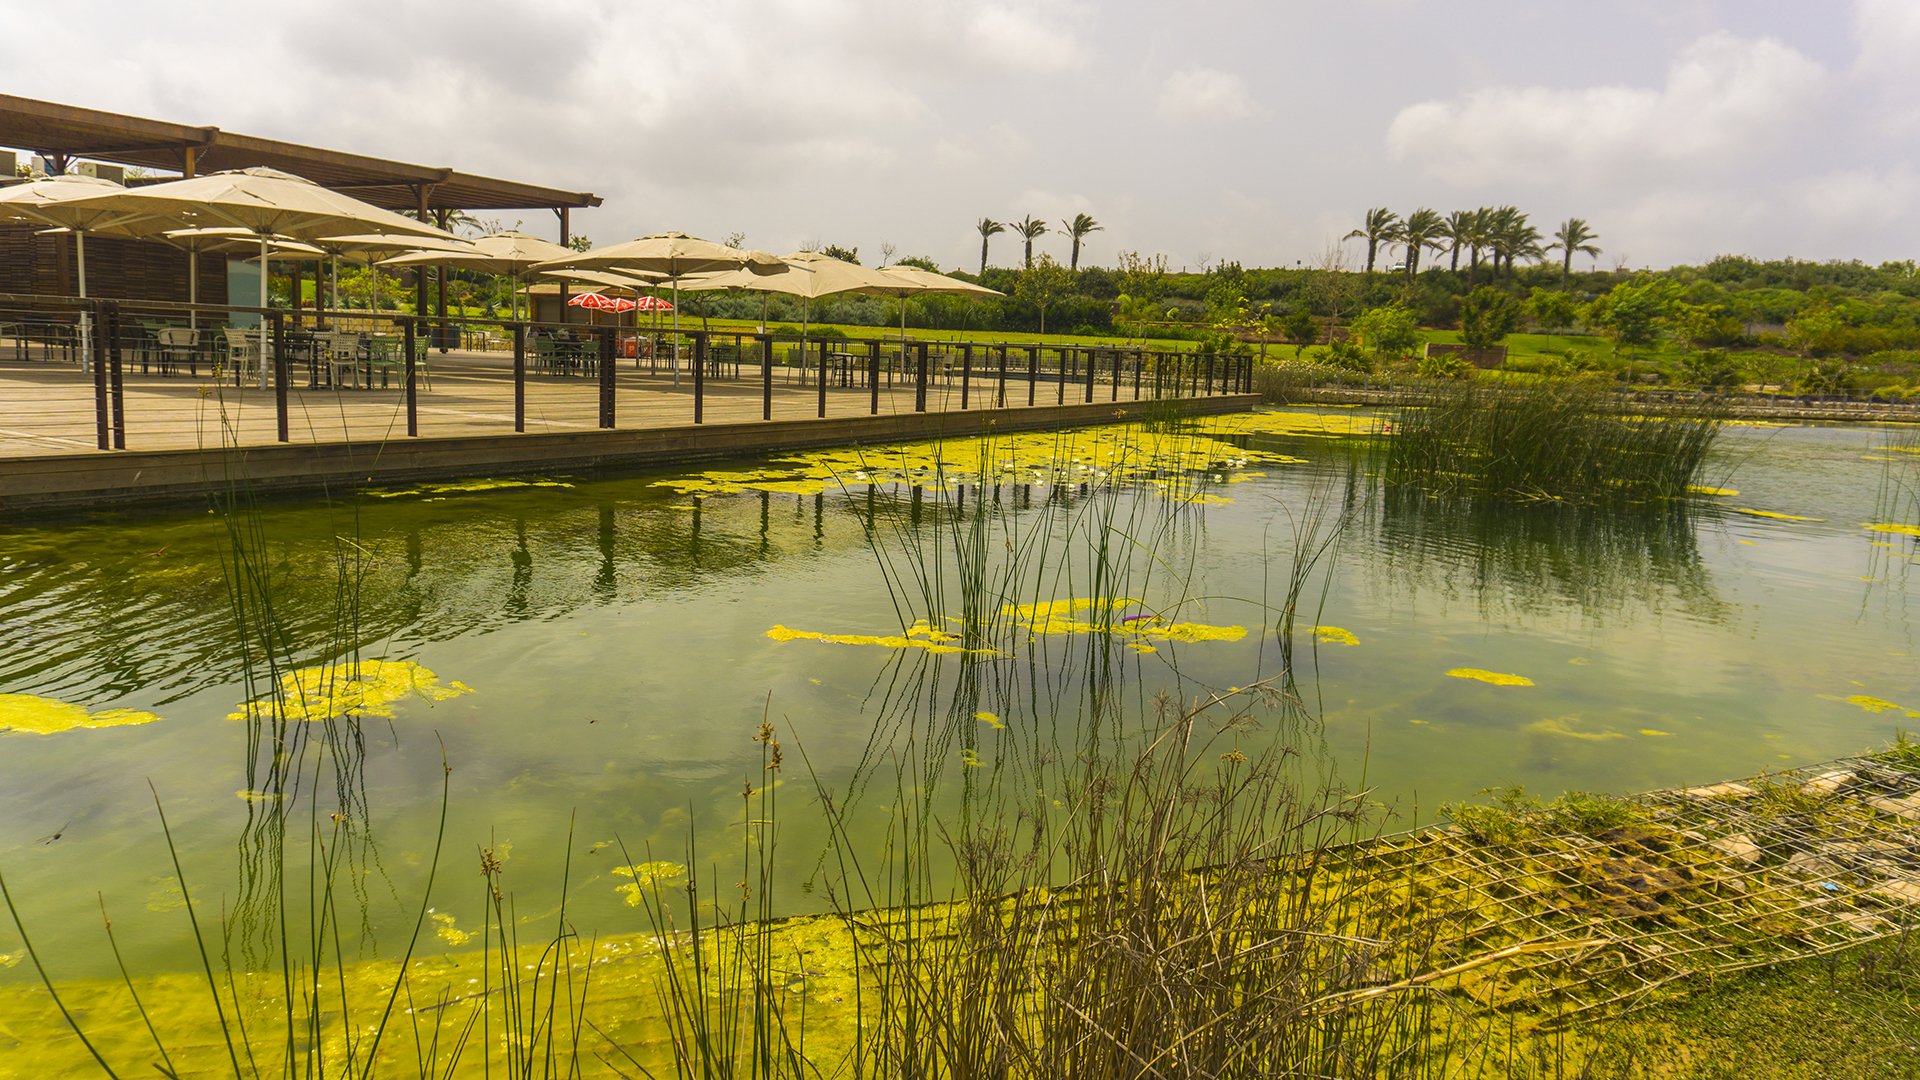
676,331
333,280
80,272
263,314
193,290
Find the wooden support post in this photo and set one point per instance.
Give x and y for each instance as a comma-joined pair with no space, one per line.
410,340
1209,375
1139,362
1033,372
766,376
97,348
873,378
280,377
1116,375
606,377
1000,385
111,328
699,376
919,376
1060,376
1092,365
966,372
519,376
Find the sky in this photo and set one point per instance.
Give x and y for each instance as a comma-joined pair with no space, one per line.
1252,130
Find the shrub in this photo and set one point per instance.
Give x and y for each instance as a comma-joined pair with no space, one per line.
1444,366
1346,356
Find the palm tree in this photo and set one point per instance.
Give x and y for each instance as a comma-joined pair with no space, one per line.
1573,235
1509,235
1421,230
1382,227
989,228
1078,228
1458,231
1030,227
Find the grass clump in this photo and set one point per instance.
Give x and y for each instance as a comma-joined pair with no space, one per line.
1557,442
1515,816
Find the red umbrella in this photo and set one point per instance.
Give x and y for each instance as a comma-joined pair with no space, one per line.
594,301
654,303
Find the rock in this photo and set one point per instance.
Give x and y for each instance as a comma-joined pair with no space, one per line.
1905,892
1740,846
1728,790
1827,783
1907,807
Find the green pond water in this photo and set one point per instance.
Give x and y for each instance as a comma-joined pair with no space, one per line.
609,638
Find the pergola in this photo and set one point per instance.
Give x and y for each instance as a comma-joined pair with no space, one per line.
64,133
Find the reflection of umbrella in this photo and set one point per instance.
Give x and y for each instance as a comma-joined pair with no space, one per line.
673,255
905,281
266,202
510,253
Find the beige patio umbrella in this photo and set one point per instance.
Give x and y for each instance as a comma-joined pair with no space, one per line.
807,274
265,202
509,253
59,201
673,255
905,281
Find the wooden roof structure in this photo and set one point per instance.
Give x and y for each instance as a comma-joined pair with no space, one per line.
64,132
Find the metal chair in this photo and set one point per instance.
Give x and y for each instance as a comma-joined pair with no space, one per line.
172,343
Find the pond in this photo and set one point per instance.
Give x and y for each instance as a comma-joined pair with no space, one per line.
590,658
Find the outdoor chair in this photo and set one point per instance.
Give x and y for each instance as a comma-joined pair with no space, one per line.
243,352
341,349
171,344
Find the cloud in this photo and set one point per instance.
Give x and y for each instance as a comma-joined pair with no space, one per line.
1726,101
1858,200
1204,94
1887,33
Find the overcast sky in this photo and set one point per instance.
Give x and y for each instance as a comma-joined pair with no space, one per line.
1256,130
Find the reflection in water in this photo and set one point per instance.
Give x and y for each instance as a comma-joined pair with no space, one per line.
1613,562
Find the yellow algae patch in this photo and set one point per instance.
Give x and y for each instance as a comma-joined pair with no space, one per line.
1774,514
990,720
1702,489
1493,677
1320,425
446,931
1654,731
1123,453
1141,647
462,487
884,641
31,714
1892,528
1334,635
1562,728
252,796
370,688
971,759
646,876
1873,704
1097,615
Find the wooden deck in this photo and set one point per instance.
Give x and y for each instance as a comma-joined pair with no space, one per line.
174,424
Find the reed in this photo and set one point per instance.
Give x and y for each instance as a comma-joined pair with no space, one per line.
1546,441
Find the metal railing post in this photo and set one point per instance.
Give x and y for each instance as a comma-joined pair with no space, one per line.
699,376
520,377
111,327
280,376
606,350
966,372
410,339
920,376
873,378
766,376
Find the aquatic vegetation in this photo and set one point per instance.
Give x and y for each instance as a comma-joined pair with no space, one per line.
1879,705
463,487
1773,514
990,720
1333,635
1096,615
445,929
645,876
1702,489
1307,423
1563,727
1654,731
1176,461
925,640
1891,528
31,714
1551,441
1494,678
370,688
